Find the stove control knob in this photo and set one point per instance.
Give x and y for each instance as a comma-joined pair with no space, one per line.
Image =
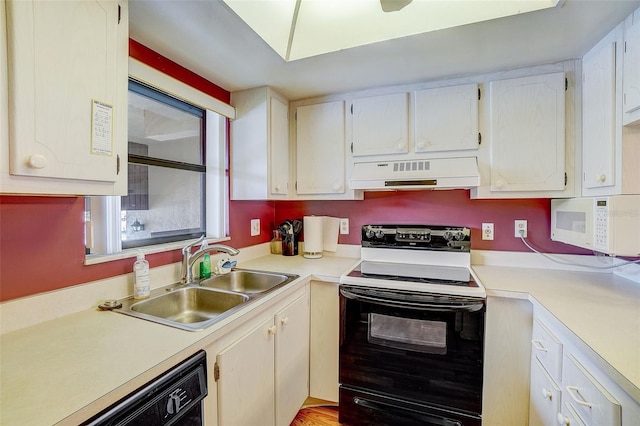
379,233
459,236
447,236
369,233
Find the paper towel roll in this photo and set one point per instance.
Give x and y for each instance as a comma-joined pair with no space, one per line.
312,226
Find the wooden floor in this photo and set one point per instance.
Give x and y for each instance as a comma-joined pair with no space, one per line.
316,416
316,412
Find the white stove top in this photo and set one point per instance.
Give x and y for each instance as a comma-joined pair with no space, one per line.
416,270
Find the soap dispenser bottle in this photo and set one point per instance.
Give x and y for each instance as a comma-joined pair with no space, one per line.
205,265
141,288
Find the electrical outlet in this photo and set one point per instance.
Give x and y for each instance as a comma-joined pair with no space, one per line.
255,227
520,225
344,226
487,231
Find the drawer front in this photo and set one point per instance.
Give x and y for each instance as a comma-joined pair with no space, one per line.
544,399
547,348
593,403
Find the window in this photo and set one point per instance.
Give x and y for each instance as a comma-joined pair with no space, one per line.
176,177
166,170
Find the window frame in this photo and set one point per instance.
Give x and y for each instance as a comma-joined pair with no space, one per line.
156,94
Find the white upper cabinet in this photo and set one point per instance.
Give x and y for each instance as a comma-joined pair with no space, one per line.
446,118
67,72
380,125
610,151
259,145
321,166
527,133
599,116
631,81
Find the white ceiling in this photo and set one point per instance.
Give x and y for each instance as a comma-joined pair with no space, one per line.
206,37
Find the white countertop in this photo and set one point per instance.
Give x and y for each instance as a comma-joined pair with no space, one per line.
60,370
602,310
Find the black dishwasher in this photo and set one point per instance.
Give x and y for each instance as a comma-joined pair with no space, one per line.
171,399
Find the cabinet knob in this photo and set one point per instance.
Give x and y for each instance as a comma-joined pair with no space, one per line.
37,161
402,146
563,421
421,145
284,321
500,183
546,393
272,330
338,187
601,178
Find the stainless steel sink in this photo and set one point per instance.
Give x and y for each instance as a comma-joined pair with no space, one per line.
196,307
246,281
189,305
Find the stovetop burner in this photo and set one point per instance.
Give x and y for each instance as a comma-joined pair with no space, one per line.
421,258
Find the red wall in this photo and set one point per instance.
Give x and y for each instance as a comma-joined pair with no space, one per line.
438,208
41,238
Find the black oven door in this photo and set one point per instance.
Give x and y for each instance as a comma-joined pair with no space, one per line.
421,350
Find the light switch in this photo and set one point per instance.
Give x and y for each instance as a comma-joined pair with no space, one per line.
255,227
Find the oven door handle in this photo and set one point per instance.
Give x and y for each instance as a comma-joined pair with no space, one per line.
470,307
405,413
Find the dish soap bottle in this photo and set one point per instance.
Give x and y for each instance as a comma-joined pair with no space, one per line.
205,265
141,288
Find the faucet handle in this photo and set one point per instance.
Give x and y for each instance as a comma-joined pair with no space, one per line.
187,249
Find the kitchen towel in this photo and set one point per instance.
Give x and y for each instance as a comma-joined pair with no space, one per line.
330,230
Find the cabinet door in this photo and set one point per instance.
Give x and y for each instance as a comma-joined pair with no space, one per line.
279,147
292,359
320,148
324,341
259,145
381,125
246,383
446,118
598,116
64,80
545,397
527,133
631,80
505,390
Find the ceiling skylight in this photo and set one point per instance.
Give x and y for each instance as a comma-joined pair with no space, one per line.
298,29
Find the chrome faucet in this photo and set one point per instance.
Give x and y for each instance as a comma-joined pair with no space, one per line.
188,258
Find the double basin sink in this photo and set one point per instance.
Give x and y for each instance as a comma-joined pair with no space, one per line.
196,307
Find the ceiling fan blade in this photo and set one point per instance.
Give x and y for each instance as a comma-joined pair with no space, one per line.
393,5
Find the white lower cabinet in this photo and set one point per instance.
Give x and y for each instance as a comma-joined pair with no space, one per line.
577,391
505,390
263,375
324,341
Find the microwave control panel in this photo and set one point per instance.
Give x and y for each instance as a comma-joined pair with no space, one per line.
601,222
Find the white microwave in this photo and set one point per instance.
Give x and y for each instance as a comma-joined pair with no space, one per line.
608,225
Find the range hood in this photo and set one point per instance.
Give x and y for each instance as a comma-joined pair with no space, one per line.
432,173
